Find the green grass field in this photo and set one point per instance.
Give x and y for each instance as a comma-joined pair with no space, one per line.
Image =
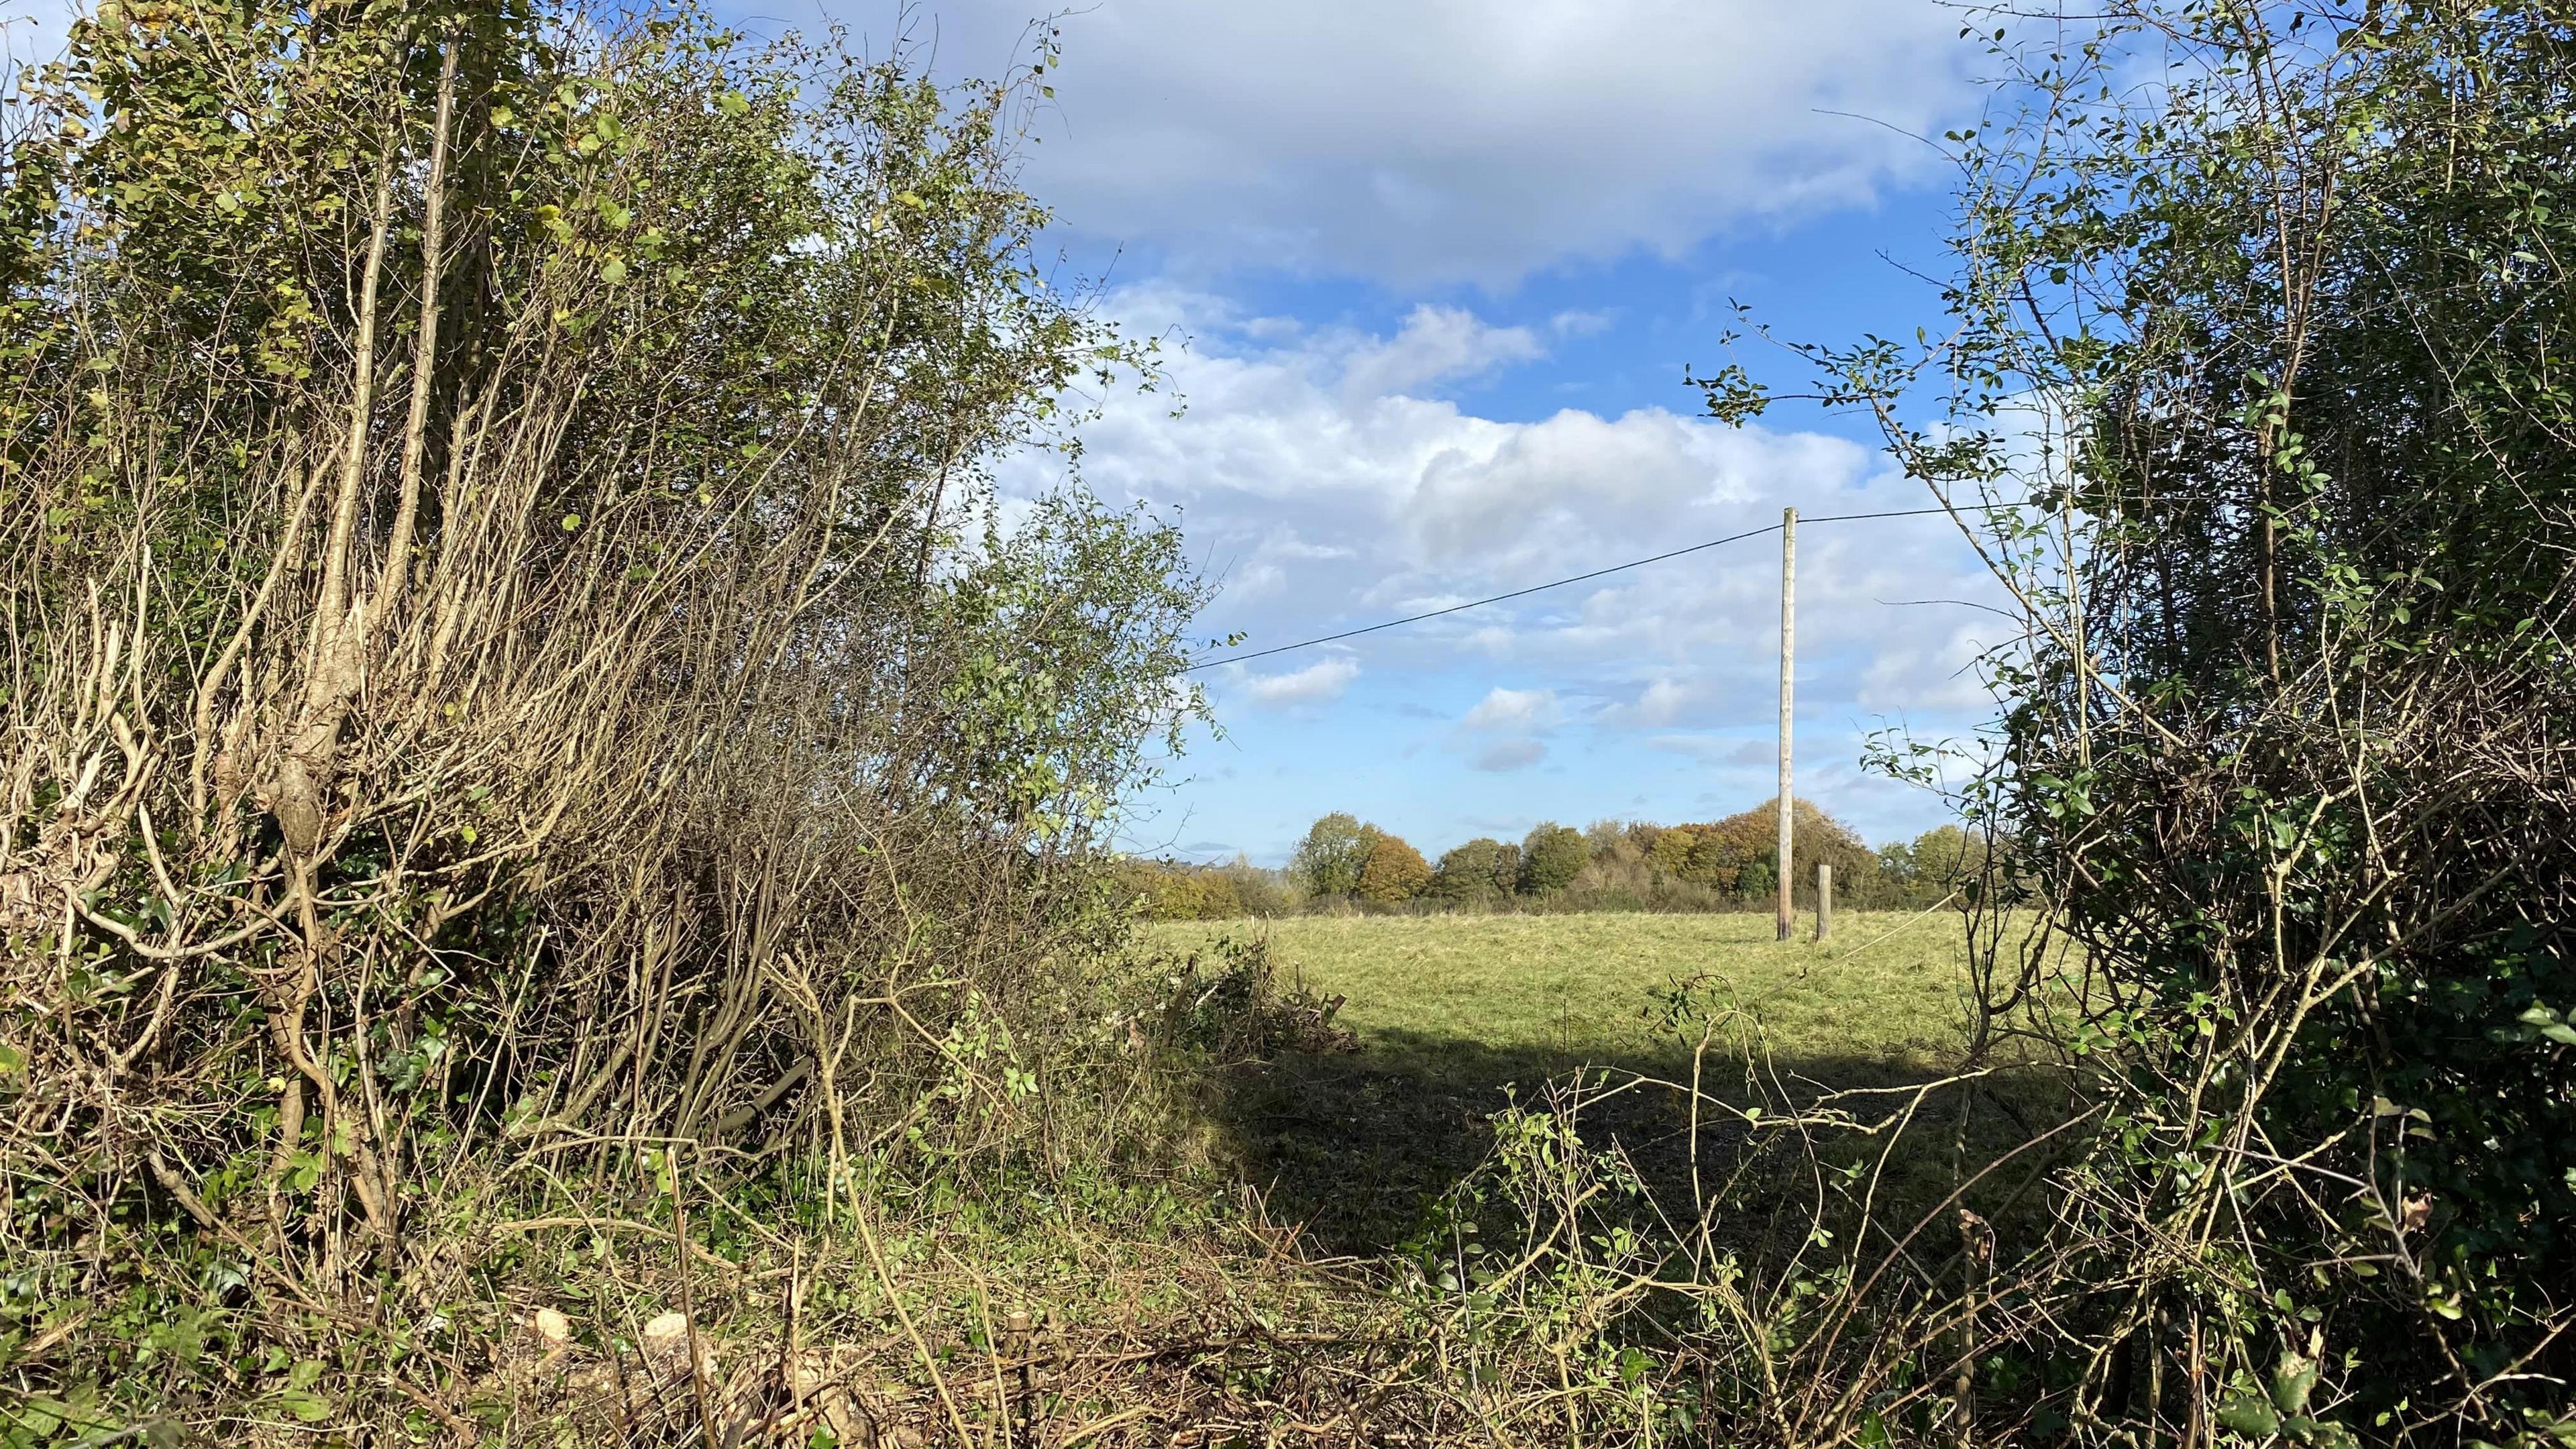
1455,1012
1887,989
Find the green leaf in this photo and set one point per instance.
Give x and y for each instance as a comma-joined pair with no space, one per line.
2293,1383
2251,1416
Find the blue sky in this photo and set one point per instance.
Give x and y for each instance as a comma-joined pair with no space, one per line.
1433,271
1439,268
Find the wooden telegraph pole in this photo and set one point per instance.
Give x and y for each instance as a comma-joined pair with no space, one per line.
1788,670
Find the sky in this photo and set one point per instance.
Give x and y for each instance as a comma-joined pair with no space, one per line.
1439,269
1429,274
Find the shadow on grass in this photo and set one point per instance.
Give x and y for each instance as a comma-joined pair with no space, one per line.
1354,1146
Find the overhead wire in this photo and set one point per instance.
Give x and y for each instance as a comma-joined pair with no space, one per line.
1550,584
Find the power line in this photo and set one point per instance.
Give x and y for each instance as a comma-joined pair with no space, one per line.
1551,584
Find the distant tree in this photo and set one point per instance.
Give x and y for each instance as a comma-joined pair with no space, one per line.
1617,842
1216,897
1896,862
1670,850
1328,863
1507,869
1739,854
1921,871
1722,849
1259,892
1175,890
1945,854
1393,873
1727,846
1756,879
1552,855
1474,872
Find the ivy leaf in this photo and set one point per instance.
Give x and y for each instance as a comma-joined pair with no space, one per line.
2251,1416
2291,1386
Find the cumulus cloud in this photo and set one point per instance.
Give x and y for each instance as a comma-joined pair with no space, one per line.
1442,142
1515,710
1435,344
1663,701
1505,756
1319,683
1323,505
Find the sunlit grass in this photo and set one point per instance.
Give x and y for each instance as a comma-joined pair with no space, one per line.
1886,990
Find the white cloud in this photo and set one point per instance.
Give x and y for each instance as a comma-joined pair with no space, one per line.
1441,140
1504,756
1662,702
1436,344
1319,683
1325,506
1520,711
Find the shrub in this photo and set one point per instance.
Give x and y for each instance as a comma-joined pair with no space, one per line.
507,668
2260,371
1228,1003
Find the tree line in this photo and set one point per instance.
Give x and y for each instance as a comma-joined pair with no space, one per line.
1346,863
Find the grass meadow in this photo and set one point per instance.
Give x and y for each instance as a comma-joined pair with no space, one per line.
1583,988
1457,1015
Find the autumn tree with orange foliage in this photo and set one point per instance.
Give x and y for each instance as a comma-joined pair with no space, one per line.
1394,871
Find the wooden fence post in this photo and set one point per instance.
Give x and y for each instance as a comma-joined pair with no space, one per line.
1824,900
